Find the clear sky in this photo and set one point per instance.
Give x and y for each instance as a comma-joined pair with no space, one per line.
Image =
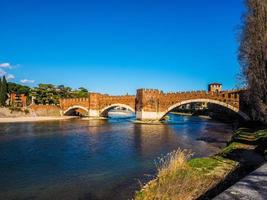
117,46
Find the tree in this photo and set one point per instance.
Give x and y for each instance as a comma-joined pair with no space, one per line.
4,92
80,93
0,91
45,94
50,94
18,89
64,92
253,57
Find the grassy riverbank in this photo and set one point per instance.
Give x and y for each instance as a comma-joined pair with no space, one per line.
182,178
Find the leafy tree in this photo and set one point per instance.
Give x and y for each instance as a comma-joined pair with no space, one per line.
50,94
82,89
18,89
4,92
80,93
64,92
0,91
253,57
45,94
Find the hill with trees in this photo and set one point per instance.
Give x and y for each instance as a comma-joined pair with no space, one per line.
45,94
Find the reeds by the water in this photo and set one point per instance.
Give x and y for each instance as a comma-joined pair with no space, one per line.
177,179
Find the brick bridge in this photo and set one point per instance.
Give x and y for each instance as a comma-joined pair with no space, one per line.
152,104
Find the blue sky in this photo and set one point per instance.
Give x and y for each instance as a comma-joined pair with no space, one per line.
117,46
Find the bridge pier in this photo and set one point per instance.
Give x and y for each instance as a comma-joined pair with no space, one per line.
152,104
144,115
93,113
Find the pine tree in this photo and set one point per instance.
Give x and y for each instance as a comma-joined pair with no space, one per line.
253,57
0,91
4,91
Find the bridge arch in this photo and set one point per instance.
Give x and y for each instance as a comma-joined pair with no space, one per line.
74,108
105,110
228,106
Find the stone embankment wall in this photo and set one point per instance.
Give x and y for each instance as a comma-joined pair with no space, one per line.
6,112
31,111
45,110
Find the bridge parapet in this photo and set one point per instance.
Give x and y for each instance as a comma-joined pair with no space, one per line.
153,103
69,102
96,102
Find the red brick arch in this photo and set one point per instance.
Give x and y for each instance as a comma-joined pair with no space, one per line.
75,107
103,112
154,104
97,103
217,102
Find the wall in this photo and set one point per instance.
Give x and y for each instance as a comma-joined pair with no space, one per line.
96,102
6,112
45,110
66,103
153,104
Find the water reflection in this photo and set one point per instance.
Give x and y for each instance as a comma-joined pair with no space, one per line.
101,159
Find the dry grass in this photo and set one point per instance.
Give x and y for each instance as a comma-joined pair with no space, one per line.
182,179
179,179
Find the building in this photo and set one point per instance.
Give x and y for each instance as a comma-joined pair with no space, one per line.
215,87
18,100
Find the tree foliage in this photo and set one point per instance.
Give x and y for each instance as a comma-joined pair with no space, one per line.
3,92
42,94
18,89
0,91
50,94
253,57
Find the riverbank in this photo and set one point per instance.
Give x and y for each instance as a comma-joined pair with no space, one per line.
204,178
33,119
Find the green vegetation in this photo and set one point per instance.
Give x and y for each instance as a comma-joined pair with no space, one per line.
251,137
0,91
233,146
204,165
42,94
3,91
15,109
18,89
182,178
50,94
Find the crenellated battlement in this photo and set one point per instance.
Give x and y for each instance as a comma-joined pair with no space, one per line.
149,101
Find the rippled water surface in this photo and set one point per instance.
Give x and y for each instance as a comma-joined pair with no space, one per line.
103,159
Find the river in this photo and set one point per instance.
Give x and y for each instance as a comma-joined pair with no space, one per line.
97,159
